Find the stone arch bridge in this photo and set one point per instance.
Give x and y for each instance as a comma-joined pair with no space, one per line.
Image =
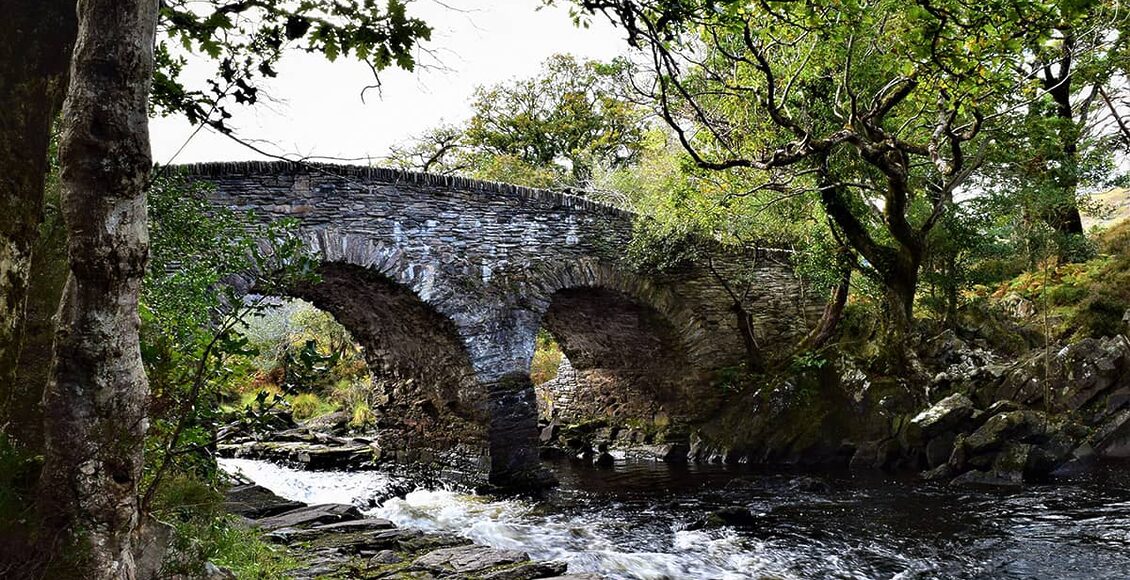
445,281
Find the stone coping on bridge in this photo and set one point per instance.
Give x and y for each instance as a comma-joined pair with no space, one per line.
432,182
392,176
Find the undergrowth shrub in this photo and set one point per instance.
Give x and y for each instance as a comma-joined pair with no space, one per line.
308,405
203,532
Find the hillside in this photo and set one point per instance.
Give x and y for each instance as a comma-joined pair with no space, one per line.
1118,200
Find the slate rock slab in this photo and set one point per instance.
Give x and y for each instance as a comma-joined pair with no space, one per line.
310,516
468,559
255,502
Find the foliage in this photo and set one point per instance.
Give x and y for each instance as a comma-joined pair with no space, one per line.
203,532
363,416
571,118
246,40
301,349
547,358
18,473
191,312
561,128
1087,299
437,150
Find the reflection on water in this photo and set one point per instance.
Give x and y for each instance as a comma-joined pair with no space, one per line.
641,520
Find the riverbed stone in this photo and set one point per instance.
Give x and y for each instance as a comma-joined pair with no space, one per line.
527,571
329,454
369,542
310,516
215,572
467,560
291,535
976,477
736,515
1001,428
385,557
428,542
255,501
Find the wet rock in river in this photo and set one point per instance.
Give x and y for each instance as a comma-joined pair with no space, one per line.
330,454
291,535
309,516
809,484
254,501
737,516
471,559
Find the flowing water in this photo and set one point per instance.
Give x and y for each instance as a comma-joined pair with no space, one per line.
644,520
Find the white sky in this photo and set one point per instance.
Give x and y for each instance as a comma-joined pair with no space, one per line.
317,108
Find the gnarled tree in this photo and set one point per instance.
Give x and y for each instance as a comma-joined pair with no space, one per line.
876,107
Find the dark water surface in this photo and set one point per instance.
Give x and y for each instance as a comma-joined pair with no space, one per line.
644,520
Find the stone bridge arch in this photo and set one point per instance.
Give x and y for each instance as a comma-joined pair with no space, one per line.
403,316
631,348
484,265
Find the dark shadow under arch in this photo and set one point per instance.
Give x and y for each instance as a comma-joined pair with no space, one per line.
624,358
420,366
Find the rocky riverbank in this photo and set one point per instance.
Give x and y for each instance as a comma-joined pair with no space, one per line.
338,541
1051,412
983,416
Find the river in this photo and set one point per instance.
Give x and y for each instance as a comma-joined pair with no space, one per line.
643,520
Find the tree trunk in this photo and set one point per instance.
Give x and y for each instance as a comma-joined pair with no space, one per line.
900,285
1064,218
95,402
830,318
34,54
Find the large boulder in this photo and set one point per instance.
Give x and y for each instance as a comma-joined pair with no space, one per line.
944,416
1015,446
1078,376
1018,426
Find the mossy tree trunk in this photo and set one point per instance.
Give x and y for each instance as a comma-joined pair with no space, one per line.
35,52
95,418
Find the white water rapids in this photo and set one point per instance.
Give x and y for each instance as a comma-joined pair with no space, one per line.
634,522
586,541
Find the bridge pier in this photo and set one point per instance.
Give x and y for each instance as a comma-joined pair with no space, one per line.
513,435
501,348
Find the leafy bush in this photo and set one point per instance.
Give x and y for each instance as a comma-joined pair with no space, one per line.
547,358
362,416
